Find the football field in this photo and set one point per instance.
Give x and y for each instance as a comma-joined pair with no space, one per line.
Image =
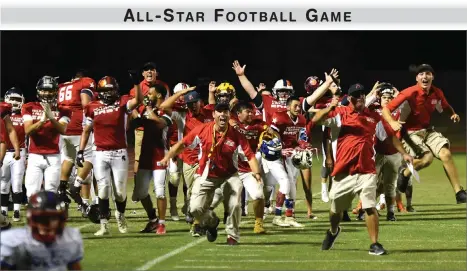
432,238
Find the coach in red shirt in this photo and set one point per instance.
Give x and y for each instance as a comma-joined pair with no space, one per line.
422,141
355,170
220,146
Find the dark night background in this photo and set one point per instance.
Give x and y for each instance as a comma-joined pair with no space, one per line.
360,56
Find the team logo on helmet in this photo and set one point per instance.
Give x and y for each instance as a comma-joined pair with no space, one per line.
14,96
283,90
271,146
107,89
224,93
47,90
312,83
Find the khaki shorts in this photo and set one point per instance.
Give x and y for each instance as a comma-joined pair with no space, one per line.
386,168
189,175
138,142
345,187
423,141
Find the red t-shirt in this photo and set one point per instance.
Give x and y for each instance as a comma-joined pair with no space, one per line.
18,124
109,123
353,149
251,132
5,110
224,159
271,106
155,142
190,156
69,96
45,140
287,128
421,104
386,147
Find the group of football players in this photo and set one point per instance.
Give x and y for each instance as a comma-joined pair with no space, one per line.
72,141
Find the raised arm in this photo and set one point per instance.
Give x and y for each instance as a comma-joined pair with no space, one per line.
321,90
168,103
134,102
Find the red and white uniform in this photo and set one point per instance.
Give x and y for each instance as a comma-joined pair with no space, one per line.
44,152
69,96
154,146
252,132
110,157
5,110
191,156
12,171
270,106
283,171
223,162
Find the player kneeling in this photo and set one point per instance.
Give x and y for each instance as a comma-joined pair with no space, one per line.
45,243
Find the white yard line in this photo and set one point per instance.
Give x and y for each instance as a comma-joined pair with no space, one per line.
172,253
201,267
323,260
85,226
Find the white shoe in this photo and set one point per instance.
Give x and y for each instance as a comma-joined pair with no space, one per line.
293,222
324,192
174,214
270,210
279,221
121,222
104,230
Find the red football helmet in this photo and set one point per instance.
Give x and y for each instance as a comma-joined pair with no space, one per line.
107,89
311,84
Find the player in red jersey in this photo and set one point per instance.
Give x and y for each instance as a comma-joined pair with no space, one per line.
12,171
7,133
421,140
354,171
251,128
175,134
108,118
289,125
155,142
75,95
44,122
221,145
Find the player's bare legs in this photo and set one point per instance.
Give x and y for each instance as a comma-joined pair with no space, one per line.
450,168
306,183
372,223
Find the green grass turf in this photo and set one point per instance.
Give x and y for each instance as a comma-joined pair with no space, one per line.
433,238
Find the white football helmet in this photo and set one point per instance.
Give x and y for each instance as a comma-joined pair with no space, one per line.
302,159
282,90
180,103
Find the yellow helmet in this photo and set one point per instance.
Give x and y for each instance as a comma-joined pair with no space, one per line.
224,93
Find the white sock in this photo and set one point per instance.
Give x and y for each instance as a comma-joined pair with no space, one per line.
5,209
324,187
382,198
16,206
161,221
103,220
85,201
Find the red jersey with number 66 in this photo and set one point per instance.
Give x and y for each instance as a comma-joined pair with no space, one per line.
109,123
46,139
69,95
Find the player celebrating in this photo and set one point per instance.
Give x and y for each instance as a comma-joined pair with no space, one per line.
44,122
46,242
220,147
423,141
108,118
354,171
252,129
75,95
154,146
12,171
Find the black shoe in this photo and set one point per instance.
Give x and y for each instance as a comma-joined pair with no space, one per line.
361,214
410,209
16,216
211,232
197,231
346,217
390,216
377,249
402,181
330,239
461,196
84,210
150,227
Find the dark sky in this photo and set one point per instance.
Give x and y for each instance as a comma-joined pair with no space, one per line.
361,56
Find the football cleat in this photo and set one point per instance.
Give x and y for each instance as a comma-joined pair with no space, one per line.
121,222
461,196
280,221
231,241
259,227
196,230
211,232
390,216
293,222
150,227
161,229
104,230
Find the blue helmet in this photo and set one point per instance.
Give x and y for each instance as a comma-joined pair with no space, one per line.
271,147
15,97
302,136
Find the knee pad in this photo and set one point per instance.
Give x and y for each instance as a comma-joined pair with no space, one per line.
160,192
5,188
174,178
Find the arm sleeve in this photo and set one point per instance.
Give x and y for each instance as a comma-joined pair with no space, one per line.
396,102
258,100
444,102
65,116
89,115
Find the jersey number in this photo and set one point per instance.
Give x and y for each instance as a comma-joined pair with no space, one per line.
65,93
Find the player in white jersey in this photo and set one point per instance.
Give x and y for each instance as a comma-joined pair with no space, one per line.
45,243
